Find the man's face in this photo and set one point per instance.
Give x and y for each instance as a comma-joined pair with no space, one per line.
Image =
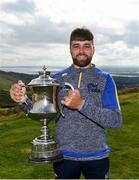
81,52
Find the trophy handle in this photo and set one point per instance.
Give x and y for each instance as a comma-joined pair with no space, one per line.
67,86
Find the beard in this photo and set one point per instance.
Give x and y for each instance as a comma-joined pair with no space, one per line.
82,62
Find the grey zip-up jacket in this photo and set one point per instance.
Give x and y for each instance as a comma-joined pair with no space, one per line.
81,134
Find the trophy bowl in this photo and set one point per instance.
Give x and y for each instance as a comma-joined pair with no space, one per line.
45,109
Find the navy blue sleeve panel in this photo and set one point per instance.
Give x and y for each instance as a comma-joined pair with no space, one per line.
26,106
109,116
110,97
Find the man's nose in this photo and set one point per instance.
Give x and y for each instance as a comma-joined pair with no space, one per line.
81,50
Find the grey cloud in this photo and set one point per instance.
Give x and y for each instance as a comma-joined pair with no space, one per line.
19,6
41,31
107,35
132,34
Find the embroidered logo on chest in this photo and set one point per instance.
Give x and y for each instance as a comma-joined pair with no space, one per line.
93,87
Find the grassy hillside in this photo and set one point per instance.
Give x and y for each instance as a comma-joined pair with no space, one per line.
17,132
124,143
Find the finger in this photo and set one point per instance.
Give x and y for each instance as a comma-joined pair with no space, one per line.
76,91
17,92
15,86
65,99
12,86
15,98
20,82
70,92
20,86
63,102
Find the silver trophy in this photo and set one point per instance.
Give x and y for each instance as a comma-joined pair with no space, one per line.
45,109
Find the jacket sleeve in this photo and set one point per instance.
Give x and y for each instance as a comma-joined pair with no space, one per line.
109,115
26,106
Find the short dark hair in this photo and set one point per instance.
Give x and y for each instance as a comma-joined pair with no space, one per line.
81,34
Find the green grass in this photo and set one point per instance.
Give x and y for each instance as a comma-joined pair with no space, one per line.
17,132
124,143
6,83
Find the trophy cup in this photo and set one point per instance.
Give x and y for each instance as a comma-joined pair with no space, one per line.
43,90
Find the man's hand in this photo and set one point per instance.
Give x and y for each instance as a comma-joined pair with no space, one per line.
18,92
73,100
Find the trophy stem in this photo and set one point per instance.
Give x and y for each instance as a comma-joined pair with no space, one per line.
45,129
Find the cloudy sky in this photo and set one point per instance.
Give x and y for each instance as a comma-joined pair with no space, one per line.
36,32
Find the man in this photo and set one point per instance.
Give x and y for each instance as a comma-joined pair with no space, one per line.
89,110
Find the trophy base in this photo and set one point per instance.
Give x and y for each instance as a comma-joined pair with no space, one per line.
44,150
46,160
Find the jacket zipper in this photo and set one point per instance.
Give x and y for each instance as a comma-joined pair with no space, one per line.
80,79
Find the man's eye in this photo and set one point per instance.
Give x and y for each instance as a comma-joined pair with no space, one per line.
75,46
87,46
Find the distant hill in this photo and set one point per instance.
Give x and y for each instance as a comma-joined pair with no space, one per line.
123,82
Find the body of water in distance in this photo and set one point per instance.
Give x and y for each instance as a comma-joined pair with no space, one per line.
115,71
